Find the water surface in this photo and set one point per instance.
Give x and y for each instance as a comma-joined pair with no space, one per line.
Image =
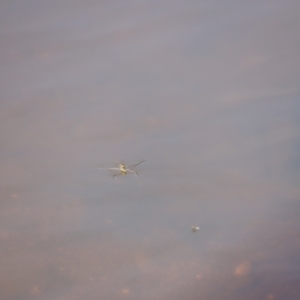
206,92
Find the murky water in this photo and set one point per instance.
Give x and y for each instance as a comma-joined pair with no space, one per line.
207,92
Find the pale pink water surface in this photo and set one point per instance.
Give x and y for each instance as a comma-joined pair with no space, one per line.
207,92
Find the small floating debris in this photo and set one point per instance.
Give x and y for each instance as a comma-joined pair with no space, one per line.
122,169
195,228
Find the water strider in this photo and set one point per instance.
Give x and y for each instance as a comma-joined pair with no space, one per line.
122,169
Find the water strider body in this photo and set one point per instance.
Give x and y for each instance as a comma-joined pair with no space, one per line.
122,169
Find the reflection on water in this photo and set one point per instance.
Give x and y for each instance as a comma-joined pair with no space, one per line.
207,93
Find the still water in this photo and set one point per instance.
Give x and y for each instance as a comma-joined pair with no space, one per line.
207,93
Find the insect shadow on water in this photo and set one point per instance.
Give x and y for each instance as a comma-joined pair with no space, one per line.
122,169
195,228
